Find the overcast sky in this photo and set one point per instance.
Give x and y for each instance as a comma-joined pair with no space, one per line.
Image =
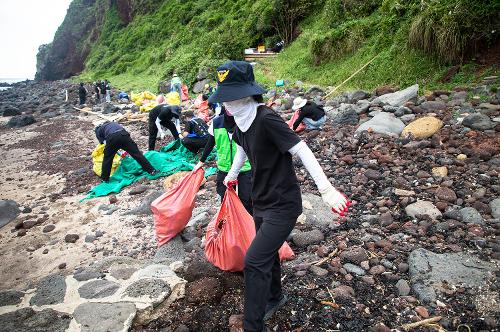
24,26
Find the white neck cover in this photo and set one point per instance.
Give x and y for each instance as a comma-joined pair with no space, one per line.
244,111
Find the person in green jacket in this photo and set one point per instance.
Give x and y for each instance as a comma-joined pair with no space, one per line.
221,136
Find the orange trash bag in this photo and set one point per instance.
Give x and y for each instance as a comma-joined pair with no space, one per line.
184,92
173,209
230,233
290,122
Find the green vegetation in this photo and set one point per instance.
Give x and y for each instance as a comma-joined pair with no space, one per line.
415,41
352,32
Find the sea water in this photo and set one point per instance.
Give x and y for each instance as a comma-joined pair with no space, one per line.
9,81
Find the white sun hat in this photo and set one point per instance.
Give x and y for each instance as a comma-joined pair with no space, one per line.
298,103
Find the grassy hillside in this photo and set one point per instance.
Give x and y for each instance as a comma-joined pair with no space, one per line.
415,40
180,36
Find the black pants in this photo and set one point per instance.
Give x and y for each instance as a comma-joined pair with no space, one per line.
153,130
194,144
244,188
122,140
263,269
82,99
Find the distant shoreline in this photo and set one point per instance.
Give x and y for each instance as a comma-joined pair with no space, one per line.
9,81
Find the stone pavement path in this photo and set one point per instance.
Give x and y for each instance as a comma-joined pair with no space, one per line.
105,296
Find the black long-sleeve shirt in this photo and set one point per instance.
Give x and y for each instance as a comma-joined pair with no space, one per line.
103,131
309,110
165,113
208,148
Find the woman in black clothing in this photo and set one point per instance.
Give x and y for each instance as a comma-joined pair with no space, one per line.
268,143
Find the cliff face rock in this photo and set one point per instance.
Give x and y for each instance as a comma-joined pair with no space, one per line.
73,41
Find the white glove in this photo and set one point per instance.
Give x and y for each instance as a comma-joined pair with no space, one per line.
198,166
335,199
229,179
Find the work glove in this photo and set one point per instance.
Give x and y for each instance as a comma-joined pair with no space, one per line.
230,182
198,166
180,136
336,200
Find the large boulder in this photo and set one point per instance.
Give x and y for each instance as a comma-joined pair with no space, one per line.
200,85
478,121
383,123
428,271
164,87
423,127
9,210
354,97
21,121
345,115
398,98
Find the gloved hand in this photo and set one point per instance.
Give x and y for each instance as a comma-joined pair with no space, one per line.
198,166
180,136
336,200
228,182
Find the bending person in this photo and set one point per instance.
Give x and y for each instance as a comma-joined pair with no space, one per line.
197,134
263,136
166,116
116,137
311,114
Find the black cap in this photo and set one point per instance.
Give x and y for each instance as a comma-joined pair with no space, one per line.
235,81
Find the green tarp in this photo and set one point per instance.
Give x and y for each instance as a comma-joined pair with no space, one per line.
172,158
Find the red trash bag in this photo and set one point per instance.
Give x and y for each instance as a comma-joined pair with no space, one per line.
290,122
184,92
173,209
230,233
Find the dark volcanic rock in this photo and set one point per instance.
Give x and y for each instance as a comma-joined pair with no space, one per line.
9,210
21,121
26,319
10,297
148,287
71,238
354,255
478,121
98,289
303,239
50,290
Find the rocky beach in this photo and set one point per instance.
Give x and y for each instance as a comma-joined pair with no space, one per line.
419,245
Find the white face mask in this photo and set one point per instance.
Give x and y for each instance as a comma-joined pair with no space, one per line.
244,111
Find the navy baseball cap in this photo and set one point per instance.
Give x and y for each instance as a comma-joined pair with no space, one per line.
235,80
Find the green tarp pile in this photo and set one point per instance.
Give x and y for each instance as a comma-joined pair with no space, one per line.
171,159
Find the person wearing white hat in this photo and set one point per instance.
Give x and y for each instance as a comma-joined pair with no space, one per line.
311,114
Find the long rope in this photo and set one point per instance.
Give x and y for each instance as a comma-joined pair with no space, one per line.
357,71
